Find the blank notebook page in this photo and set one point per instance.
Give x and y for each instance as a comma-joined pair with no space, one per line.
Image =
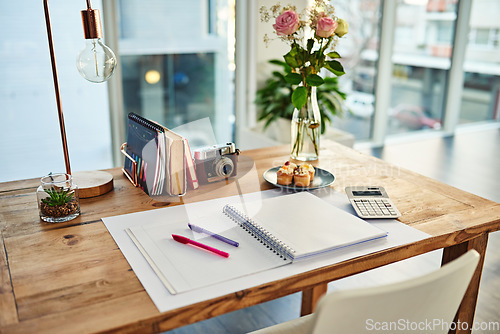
308,224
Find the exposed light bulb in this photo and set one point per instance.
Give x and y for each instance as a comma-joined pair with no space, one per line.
96,62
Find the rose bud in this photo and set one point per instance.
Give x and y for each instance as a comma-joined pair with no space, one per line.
342,28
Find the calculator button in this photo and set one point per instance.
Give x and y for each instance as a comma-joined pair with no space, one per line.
374,207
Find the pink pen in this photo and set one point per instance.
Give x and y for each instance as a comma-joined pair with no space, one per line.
184,240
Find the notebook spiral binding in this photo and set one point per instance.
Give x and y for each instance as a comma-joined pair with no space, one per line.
258,232
144,122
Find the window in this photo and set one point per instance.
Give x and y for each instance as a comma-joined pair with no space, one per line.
421,65
359,51
178,63
481,88
176,72
30,137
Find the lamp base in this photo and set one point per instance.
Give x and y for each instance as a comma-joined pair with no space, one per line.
93,183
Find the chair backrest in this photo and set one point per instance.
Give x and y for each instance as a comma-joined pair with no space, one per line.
425,304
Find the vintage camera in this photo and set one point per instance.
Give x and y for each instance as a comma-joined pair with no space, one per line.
216,163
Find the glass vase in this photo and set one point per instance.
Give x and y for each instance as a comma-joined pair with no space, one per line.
58,199
306,129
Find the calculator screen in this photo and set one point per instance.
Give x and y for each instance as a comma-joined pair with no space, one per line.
366,193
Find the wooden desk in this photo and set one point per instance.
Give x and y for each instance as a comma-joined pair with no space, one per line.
71,277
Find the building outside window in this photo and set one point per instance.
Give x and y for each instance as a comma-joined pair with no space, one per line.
423,35
481,88
421,59
359,51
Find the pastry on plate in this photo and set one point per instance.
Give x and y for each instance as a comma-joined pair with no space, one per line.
302,178
285,173
310,169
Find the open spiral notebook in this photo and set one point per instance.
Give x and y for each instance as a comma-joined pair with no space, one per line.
272,232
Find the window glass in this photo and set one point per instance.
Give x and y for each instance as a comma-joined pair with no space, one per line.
178,63
481,91
359,51
421,63
30,136
171,89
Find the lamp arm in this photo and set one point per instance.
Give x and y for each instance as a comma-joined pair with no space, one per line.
56,85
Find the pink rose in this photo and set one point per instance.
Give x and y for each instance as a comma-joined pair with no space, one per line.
326,27
287,23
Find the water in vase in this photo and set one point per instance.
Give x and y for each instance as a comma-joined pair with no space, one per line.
305,139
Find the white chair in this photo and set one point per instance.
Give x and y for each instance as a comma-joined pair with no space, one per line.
425,304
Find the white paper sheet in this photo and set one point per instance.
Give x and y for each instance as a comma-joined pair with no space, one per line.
399,234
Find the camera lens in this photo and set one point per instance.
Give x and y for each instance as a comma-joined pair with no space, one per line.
224,167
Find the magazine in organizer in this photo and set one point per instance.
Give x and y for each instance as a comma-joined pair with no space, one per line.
160,157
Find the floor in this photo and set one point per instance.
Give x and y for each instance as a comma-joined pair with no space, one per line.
469,161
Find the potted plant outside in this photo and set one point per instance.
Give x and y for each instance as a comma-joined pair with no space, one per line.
274,99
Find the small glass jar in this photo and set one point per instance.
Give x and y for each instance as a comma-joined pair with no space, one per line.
58,199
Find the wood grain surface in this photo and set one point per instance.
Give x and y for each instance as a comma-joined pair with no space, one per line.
72,277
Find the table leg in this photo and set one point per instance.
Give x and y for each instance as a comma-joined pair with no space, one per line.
310,297
467,308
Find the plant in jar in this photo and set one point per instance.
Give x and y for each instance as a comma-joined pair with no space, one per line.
58,199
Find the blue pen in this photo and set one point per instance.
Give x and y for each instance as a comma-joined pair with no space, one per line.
214,235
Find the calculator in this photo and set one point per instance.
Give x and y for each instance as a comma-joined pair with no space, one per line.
371,202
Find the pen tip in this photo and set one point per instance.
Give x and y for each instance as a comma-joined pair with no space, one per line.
195,228
180,238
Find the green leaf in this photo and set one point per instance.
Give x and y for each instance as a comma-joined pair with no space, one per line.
277,62
295,58
299,97
335,67
320,58
331,81
281,63
310,44
291,58
278,75
334,54
57,197
293,78
314,80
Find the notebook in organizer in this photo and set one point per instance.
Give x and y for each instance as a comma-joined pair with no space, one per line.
279,233
160,157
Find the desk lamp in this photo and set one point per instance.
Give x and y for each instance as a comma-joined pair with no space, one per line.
96,63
